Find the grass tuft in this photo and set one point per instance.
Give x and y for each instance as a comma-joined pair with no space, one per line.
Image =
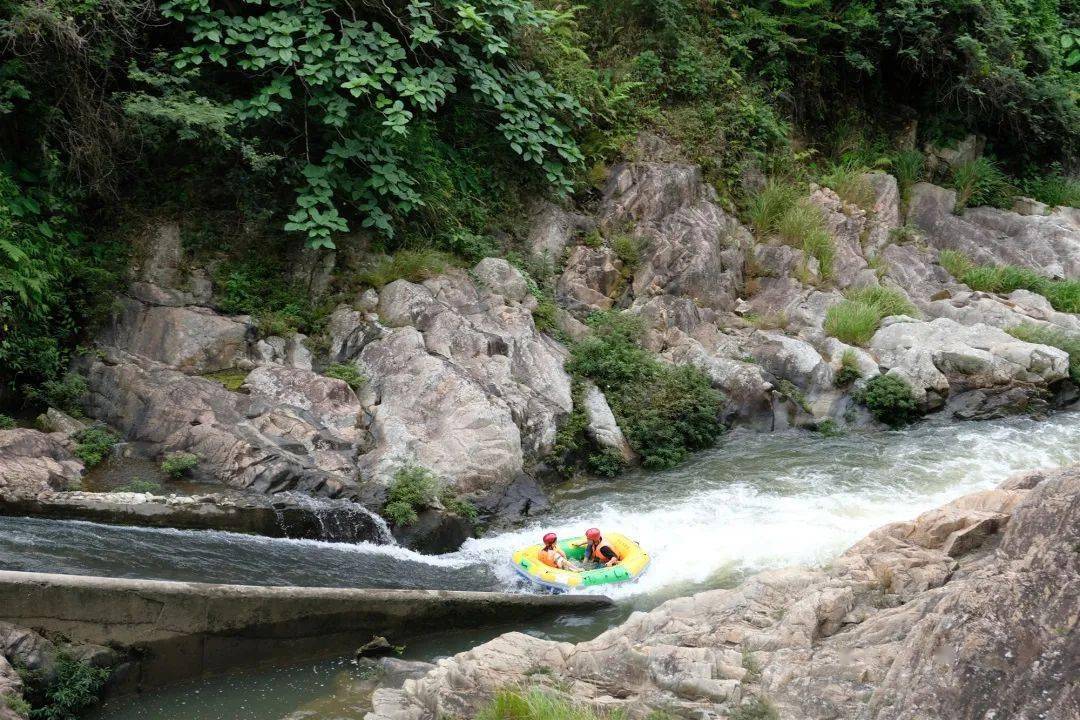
411,265
534,704
1063,295
230,379
850,183
981,182
770,205
348,373
855,320
803,226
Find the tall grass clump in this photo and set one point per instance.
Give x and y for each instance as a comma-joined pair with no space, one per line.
850,183
412,489
411,265
1053,189
803,226
855,320
534,704
909,167
1063,295
769,205
981,182
1043,335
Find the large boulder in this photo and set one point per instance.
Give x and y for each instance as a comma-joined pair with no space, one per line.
462,382
33,462
603,428
965,612
193,340
244,440
1049,244
942,357
590,279
551,229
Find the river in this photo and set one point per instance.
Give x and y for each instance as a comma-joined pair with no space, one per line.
756,501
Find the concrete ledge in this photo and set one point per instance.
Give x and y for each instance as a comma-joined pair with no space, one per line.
176,630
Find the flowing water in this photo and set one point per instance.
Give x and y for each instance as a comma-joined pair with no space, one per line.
757,501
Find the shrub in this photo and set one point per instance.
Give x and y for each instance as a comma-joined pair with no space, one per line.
771,204
17,704
177,464
93,444
411,265
6,422
802,225
890,400
230,379
463,508
413,488
348,373
828,428
140,486
608,462
981,182
628,248
849,369
855,319
664,411
1043,335
65,393
76,686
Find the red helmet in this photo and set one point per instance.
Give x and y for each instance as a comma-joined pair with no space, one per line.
550,538
592,533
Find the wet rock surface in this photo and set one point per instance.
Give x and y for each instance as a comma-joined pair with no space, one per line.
968,611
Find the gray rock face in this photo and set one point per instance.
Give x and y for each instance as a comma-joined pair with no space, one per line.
242,440
191,339
33,462
501,278
589,280
464,385
921,619
942,356
1018,308
550,230
603,428
1049,244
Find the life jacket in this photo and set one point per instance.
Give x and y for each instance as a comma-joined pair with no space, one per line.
549,557
595,551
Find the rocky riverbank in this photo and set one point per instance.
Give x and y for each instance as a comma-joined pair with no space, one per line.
454,375
968,611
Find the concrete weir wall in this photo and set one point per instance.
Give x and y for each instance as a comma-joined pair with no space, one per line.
175,630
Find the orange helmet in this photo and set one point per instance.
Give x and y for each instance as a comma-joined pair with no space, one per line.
550,538
592,533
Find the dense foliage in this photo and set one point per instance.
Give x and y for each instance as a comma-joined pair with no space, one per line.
890,400
664,411
430,122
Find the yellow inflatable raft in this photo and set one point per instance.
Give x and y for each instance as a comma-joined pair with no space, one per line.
634,561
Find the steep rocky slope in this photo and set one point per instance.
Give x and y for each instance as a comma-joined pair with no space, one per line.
968,612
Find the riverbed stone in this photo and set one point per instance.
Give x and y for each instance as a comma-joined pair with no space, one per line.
603,428
33,462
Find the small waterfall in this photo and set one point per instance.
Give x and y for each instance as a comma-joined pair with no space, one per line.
340,520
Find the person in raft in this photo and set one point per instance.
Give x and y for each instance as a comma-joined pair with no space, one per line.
598,550
553,555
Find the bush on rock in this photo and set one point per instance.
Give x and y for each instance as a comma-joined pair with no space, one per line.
890,400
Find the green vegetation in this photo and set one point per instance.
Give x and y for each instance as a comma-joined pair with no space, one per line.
849,369
909,167
230,379
890,400
257,284
93,444
413,489
64,393
628,248
770,205
177,464
535,704
855,319
17,704
140,486
803,226
462,507
1043,335
1052,188
411,265
75,687
6,422
664,411
757,708
574,449
1063,295
348,373
981,182
849,182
